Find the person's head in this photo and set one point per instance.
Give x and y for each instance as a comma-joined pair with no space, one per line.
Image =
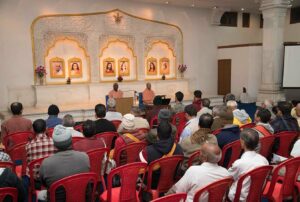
68,121
116,86
179,96
197,95
128,122
164,115
285,108
190,111
206,121
109,66
53,110
136,111
268,104
231,104
263,115
62,138
228,97
164,130
75,66
39,126
152,66
218,110
249,139
148,86
206,102
276,111
111,103
88,128
297,108
16,108
244,90
100,111
295,102
210,153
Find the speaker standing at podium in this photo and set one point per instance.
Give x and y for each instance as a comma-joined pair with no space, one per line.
115,93
148,94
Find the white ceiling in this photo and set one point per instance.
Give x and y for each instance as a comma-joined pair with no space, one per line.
234,5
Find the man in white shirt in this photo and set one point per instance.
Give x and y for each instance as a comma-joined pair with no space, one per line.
192,125
249,160
199,176
112,115
69,123
205,108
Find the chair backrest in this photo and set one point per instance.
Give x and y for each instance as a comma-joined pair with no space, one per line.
266,144
76,139
235,152
108,138
17,152
154,122
96,157
78,128
116,123
217,191
286,139
49,132
75,187
179,118
179,128
130,152
9,165
194,158
216,132
288,180
258,177
248,125
180,197
13,139
168,168
9,191
128,176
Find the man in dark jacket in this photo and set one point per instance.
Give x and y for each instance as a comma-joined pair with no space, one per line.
102,124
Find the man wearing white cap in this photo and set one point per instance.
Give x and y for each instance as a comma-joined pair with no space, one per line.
112,115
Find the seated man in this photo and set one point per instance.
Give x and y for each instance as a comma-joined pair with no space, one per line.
115,93
127,124
139,121
296,113
222,117
102,124
205,107
157,106
178,107
199,176
53,119
64,163
192,122
16,123
148,94
228,97
263,127
240,117
197,100
69,123
193,143
248,161
112,114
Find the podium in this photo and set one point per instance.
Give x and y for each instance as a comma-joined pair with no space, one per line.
123,105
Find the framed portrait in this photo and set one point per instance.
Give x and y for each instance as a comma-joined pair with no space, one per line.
151,66
57,68
123,67
164,66
75,68
109,67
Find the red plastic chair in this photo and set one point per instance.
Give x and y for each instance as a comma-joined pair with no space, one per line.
96,157
297,183
78,128
180,197
75,187
248,125
258,177
154,122
180,128
108,138
18,156
179,118
286,140
216,190
129,153
116,123
9,165
194,159
9,191
76,139
49,132
279,187
168,167
266,144
235,152
13,139
216,132
128,176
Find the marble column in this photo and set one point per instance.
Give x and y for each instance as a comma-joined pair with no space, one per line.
274,14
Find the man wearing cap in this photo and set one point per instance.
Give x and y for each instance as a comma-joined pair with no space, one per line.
139,121
112,114
127,124
64,163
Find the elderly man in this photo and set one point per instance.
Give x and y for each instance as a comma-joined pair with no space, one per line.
178,107
222,116
69,123
139,121
199,176
192,122
205,107
240,117
148,94
127,124
115,93
263,127
112,114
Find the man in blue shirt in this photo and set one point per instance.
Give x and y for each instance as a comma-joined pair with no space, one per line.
53,119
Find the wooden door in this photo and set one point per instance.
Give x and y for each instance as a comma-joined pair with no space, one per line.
224,76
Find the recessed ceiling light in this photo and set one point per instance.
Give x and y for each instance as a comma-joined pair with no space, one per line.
215,7
193,5
166,2
242,9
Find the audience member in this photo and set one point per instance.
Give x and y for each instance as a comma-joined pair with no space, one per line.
228,97
193,143
276,112
53,119
192,122
112,114
222,116
157,106
64,163
296,149
197,100
248,161
205,107
263,127
179,106
102,125
199,176
16,123
244,97
115,93
296,113
69,123
127,124
148,94
240,117
139,121
268,104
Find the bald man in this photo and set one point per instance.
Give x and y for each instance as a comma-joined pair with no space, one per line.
148,94
199,176
115,93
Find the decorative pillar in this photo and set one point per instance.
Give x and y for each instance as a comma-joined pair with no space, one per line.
274,14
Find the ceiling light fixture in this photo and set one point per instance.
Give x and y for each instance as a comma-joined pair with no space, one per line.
242,9
166,2
193,5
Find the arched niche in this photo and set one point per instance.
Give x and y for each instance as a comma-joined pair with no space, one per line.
117,59
160,60
68,55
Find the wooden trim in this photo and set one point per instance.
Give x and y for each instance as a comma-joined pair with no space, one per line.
240,45
291,43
